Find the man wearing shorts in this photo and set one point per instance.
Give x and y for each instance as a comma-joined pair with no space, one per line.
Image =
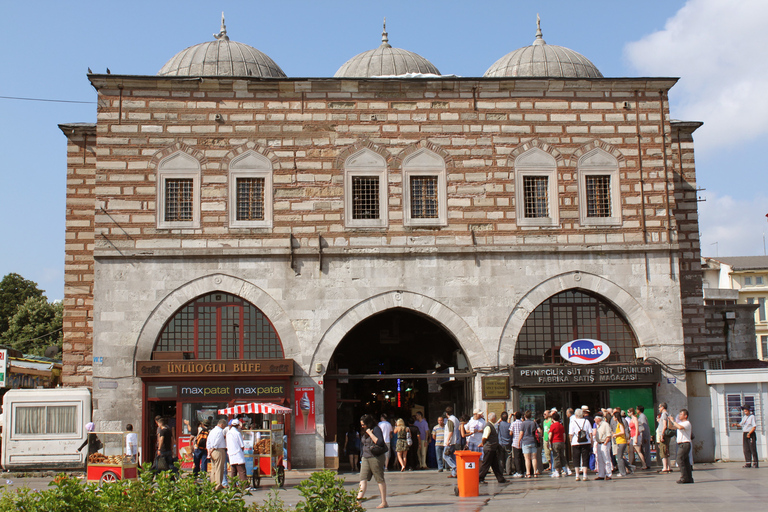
661,443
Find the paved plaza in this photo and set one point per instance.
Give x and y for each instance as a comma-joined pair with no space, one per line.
719,487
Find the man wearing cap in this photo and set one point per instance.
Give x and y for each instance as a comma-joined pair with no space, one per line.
475,426
217,453
749,434
602,437
235,451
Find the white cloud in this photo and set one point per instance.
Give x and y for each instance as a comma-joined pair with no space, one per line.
732,227
718,49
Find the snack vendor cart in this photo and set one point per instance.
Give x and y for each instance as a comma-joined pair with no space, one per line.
263,447
110,463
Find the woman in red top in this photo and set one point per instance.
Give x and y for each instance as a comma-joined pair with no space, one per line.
557,444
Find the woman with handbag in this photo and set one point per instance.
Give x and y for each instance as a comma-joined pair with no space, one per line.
373,455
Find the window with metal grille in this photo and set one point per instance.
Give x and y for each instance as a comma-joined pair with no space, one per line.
568,316
734,413
536,196
598,195
424,197
365,197
179,198
250,198
221,326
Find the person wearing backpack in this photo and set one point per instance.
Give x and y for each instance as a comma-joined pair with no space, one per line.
580,432
200,455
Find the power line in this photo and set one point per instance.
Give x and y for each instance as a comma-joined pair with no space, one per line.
42,99
40,337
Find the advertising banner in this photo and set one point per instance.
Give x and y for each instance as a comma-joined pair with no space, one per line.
304,400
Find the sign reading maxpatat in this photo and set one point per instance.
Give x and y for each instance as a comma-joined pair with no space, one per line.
585,351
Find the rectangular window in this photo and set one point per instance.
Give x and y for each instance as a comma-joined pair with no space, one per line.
60,419
250,199
764,346
733,412
761,309
536,196
759,280
598,188
179,199
365,197
424,197
747,281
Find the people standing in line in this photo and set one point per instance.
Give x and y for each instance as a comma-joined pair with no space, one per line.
352,447
217,453
645,435
602,436
546,448
423,427
200,455
568,451
662,444
401,446
528,442
463,433
236,451
517,449
452,435
131,443
412,456
505,443
474,429
489,443
372,465
580,432
748,426
636,438
556,439
386,431
683,438
620,435
438,434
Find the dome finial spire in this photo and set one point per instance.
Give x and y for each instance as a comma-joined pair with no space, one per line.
539,38
385,36
223,33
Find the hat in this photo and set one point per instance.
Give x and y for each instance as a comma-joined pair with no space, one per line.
479,411
584,408
554,409
235,422
89,426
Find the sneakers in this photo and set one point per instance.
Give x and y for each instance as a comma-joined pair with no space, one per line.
517,475
568,471
555,474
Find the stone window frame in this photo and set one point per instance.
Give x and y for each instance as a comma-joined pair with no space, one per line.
537,162
251,164
178,165
425,162
598,162
374,165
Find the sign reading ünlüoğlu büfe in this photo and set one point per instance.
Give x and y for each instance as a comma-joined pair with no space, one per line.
585,351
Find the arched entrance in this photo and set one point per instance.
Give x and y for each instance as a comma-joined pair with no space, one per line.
397,362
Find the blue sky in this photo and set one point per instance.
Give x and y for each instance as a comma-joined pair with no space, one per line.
716,47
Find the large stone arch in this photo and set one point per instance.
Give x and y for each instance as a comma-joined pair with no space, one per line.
463,334
216,283
633,311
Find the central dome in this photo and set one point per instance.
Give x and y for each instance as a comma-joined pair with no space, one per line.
385,61
543,60
221,57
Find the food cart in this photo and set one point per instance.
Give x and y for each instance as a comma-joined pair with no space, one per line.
263,447
110,463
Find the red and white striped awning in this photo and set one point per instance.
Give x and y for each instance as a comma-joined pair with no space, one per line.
255,408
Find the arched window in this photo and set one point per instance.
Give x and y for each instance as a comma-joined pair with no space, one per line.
250,191
365,190
599,190
536,200
178,192
424,189
220,326
571,315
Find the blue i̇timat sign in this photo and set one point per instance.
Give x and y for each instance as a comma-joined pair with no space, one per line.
585,351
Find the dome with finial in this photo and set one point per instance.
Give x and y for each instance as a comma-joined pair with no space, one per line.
386,61
221,57
543,60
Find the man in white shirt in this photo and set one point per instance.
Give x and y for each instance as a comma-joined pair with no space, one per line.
131,443
217,453
451,440
475,426
683,427
235,451
386,429
749,433
602,435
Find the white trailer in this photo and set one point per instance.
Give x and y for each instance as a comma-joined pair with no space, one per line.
43,428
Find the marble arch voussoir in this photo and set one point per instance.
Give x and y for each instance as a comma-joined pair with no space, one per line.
466,338
627,305
216,283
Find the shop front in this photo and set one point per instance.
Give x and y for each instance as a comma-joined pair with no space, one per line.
189,392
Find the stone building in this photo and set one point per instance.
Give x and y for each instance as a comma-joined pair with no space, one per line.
386,239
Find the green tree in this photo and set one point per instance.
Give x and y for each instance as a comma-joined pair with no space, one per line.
35,326
14,291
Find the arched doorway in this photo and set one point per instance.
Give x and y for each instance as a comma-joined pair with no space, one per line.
396,362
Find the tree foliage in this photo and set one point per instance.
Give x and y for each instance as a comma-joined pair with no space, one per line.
14,291
28,322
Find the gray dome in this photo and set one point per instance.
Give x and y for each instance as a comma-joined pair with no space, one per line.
544,60
221,57
384,61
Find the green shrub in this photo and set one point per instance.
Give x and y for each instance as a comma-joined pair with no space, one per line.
324,492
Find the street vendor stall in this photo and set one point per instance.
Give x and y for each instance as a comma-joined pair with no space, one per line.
109,462
263,447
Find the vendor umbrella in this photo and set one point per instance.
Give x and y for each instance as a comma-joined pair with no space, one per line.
255,408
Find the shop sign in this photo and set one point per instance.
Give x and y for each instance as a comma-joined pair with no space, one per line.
496,388
597,375
239,389
585,351
215,368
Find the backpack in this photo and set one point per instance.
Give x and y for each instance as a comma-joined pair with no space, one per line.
581,437
202,439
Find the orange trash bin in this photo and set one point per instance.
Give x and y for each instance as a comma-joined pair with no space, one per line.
468,473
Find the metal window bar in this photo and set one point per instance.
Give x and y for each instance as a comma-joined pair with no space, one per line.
178,199
536,196
424,197
733,410
365,197
250,199
598,196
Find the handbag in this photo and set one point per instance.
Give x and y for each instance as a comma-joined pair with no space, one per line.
161,463
669,433
377,450
408,438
